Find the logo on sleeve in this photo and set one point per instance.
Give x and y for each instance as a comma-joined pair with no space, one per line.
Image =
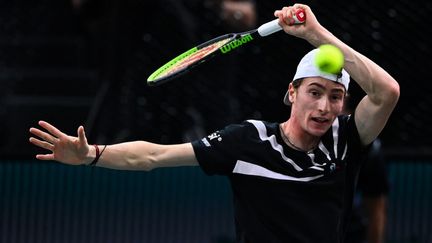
209,138
215,135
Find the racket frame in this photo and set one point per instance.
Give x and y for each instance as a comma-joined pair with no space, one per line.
154,80
262,31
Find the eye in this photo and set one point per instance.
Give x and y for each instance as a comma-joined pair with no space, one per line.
315,93
337,97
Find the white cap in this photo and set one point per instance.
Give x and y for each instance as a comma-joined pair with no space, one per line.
307,68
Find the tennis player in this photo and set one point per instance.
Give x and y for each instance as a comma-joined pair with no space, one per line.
291,181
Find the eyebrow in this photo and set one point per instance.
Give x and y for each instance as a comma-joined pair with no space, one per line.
338,90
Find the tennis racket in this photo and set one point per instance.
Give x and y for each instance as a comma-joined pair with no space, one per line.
220,45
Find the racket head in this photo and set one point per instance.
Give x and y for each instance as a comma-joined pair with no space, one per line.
189,59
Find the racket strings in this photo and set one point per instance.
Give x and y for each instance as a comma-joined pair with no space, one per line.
189,58
198,55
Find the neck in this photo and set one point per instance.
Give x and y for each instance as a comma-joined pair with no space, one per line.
296,138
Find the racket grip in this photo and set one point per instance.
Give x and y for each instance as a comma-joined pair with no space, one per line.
273,26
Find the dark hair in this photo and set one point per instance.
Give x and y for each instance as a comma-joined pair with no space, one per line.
296,83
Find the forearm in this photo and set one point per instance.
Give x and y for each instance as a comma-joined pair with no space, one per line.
378,84
141,155
381,89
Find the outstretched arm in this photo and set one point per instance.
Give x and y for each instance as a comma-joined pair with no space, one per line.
136,155
382,90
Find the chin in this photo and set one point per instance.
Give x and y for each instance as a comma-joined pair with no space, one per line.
318,132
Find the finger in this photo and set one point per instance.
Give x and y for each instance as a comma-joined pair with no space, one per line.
305,8
299,5
42,144
53,130
45,136
284,12
279,15
81,136
45,156
285,15
290,16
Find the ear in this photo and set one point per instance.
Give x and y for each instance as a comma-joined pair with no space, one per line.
292,93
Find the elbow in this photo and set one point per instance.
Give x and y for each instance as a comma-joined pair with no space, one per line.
387,96
393,92
150,163
136,162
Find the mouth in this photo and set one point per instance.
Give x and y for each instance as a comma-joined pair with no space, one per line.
320,120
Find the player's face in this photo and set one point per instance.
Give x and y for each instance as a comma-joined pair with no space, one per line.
316,104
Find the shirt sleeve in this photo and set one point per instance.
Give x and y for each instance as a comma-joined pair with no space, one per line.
217,153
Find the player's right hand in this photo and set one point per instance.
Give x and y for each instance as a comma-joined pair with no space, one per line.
64,148
306,30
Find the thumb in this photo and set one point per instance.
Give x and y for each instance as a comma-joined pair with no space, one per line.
81,136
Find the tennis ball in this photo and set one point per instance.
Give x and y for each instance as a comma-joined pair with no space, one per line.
329,59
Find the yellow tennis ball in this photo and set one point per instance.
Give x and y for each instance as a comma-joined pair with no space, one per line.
329,59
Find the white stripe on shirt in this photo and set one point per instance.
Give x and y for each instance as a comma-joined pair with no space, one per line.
246,168
262,132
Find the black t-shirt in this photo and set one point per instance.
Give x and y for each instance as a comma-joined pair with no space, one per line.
281,194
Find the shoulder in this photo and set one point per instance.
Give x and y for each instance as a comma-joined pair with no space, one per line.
341,127
259,128
344,120
343,124
250,125
348,132
240,133
343,131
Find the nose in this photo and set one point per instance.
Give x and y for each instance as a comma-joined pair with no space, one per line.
324,105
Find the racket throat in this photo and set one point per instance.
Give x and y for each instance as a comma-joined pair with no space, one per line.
236,42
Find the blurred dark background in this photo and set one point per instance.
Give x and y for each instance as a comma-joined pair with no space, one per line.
85,62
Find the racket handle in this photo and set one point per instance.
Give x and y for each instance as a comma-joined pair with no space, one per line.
273,26
269,28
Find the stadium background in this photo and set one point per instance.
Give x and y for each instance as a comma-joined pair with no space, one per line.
88,65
